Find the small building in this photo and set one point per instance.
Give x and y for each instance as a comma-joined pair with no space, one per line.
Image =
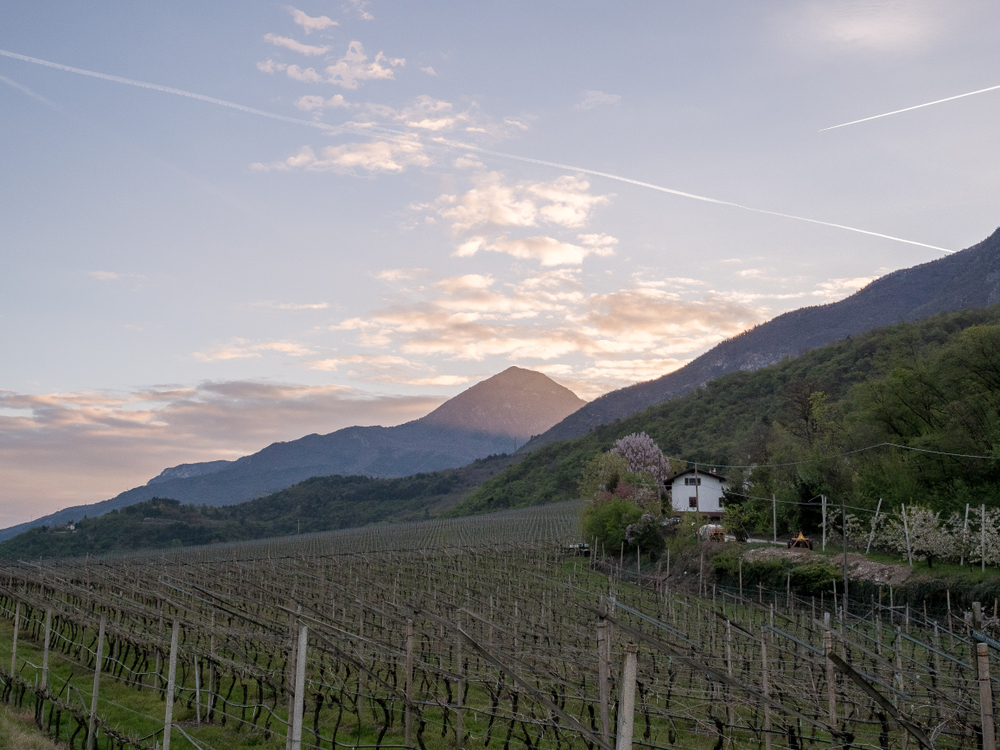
698,490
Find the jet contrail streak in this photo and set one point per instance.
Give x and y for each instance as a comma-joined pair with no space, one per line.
696,197
27,91
908,109
456,145
168,90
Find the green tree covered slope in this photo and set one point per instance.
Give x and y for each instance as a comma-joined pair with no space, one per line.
789,429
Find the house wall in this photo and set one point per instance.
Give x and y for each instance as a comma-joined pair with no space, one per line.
709,494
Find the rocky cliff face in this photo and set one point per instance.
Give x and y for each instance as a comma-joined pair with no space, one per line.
967,279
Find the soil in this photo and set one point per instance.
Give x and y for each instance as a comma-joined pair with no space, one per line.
859,567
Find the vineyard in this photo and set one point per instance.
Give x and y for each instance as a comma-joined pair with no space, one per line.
482,632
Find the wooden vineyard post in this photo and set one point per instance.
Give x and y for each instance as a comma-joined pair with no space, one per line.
906,531
13,651
210,703
986,697
300,688
45,650
729,671
460,687
603,650
159,659
626,702
765,690
168,711
92,724
831,685
362,677
409,682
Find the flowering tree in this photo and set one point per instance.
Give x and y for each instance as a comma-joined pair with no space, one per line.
624,488
643,456
929,539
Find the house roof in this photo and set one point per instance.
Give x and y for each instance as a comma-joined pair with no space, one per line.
701,473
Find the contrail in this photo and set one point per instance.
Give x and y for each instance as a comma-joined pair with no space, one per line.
167,90
28,91
909,109
456,145
696,197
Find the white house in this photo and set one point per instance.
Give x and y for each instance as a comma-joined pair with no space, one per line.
698,490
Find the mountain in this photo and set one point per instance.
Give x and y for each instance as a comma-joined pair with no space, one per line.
966,279
494,416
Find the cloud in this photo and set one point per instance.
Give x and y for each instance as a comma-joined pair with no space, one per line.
295,46
106,275
402,274
593,99
429,71
431,114
565,202
308,23
466,162
360,7
834,289
61,449
347,72
312,103
243,349
350,158
548,316
547,250
354,67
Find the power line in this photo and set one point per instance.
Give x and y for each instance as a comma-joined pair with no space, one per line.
835,455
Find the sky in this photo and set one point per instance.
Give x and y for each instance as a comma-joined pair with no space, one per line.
228,224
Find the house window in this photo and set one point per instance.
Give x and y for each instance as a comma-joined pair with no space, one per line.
691,481
722,502
692,502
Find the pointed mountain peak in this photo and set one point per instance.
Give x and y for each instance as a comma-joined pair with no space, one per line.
516,402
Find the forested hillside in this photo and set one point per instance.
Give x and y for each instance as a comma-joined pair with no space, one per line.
806,426
964,280
318,504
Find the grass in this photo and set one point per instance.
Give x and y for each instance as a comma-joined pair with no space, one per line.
18,732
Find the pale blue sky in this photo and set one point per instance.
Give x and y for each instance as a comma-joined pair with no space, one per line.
184,281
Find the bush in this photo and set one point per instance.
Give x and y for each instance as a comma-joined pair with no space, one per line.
814,578
605,521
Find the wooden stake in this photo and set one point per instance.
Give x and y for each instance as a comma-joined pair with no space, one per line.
17,628
831,685
45,651
460,687
300,687
986,697
626,701
602,675
906,530
168,712
409,679
765,690
92,724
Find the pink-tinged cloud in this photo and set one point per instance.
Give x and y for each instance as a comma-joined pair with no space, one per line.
63,449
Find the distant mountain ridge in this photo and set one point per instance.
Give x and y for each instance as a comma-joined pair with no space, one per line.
494,416
966,279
